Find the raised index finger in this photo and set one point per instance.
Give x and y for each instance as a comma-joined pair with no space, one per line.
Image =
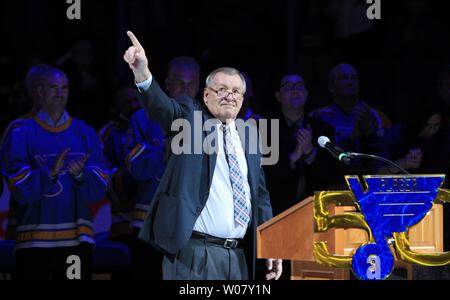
134,40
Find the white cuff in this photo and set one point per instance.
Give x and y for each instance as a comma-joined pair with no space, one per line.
145,85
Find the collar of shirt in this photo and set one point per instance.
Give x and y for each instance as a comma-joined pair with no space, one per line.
217,217
294,126
232,126
297,123
44,117
236,138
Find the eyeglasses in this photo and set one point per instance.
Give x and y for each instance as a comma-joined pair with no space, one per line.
289,86
223,92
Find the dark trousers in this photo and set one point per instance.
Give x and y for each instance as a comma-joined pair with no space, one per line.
51,263
200,260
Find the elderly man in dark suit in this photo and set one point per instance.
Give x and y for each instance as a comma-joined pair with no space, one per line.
208,202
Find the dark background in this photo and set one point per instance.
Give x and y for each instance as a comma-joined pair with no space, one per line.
398,58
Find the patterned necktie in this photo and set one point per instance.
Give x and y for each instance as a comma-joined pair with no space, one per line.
241,213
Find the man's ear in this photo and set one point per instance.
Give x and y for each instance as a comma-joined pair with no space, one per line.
205,95
167,83
331,87
277,96
40,92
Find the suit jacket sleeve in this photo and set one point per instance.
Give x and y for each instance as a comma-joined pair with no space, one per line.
161,108
264,206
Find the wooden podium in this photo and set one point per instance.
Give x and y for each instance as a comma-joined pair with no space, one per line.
290,236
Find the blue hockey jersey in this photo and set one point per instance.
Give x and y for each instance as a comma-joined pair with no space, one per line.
54,212
145,161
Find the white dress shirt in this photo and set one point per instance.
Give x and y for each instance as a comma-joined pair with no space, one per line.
217,217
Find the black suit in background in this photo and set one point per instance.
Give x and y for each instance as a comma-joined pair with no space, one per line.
287,185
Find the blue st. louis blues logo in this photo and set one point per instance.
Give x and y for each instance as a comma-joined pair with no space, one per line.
386,207
389,205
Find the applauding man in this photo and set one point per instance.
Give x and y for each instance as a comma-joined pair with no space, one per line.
55,168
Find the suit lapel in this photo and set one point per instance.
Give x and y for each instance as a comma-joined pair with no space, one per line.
208,137
252,164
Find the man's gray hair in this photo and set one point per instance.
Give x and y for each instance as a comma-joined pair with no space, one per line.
227,71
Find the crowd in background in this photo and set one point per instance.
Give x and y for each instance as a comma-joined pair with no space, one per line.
317,66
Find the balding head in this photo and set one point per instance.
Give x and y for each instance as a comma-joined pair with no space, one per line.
36,77
54,91
183,77
343,81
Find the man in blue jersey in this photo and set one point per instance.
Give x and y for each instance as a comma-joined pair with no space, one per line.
114,136
33,80
55,169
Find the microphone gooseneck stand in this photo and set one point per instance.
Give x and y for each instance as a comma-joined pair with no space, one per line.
370,156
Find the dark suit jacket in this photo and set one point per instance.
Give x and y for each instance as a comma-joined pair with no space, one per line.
185,185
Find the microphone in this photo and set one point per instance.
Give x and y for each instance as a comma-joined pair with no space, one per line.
337,152
345,157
